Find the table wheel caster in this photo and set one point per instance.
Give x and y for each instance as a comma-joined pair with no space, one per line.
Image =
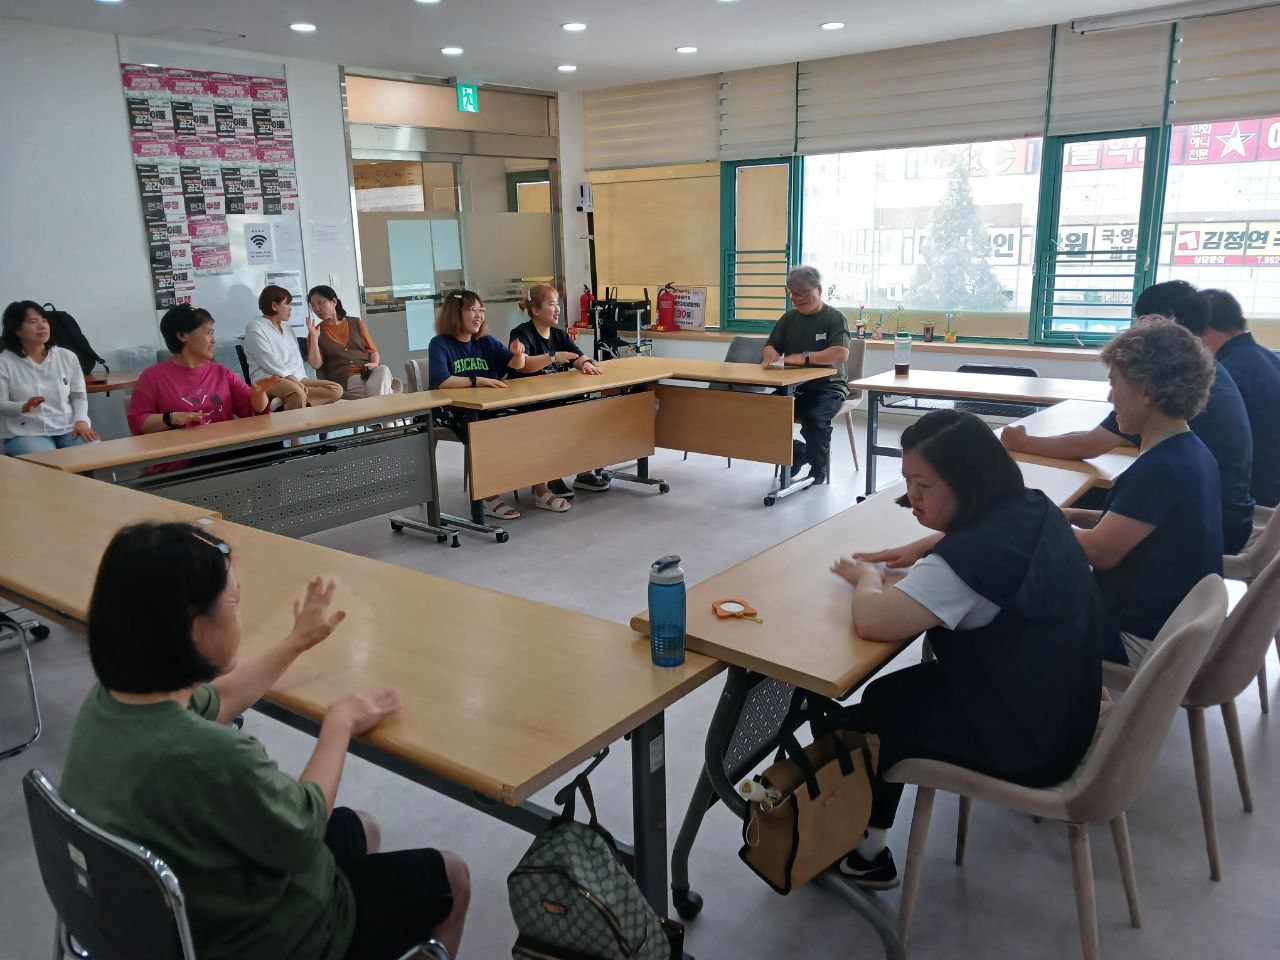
770,501
502,536
664,488
396,528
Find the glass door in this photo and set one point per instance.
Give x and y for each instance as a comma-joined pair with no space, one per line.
757,232
1095,234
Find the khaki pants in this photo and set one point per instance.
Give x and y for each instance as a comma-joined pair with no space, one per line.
378,384
298,394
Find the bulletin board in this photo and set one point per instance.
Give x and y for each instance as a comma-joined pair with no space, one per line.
214,162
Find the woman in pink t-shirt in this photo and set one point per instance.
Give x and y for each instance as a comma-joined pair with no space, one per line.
189,388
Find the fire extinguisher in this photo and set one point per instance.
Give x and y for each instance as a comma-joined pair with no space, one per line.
667,309
586,307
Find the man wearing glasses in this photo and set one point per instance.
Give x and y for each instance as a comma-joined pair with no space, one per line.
812,334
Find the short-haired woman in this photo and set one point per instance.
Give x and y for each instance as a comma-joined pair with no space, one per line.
272,351
43,401
1160,529
464,354
268,865
1006,599
344,351
190,388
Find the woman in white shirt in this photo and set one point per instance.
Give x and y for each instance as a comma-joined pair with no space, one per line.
272,351
43,401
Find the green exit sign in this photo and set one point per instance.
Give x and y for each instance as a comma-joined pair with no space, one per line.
468,98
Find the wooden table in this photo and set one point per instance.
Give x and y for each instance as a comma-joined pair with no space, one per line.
116,380
55,526
1035,391
807,638
257,479
750,417
1068,417
557,425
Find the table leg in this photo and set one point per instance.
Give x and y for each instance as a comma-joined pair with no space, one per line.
873,430
649,810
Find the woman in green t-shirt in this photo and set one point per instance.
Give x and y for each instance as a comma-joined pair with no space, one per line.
269,867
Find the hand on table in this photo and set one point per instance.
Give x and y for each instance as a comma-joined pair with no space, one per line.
188,418
32,403
1014,438
361,712
491,382
588,367
895,558
853,570
310,623
770,357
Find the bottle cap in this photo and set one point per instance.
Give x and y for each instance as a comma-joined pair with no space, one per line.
666,570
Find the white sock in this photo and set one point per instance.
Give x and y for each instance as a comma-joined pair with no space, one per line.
873,843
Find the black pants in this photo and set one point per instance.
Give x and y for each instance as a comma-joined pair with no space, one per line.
400,897
915,715
815,409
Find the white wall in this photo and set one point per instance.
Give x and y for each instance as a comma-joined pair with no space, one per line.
69,202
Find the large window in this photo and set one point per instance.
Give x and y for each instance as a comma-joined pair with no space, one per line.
1222,214
935,230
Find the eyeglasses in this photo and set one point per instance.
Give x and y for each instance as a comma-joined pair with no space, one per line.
800,294
210,540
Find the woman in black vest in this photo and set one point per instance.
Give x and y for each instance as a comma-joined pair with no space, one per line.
1011,612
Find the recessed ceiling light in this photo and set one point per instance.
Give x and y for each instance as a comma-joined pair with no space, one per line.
451,51
574,27
108,1
303,27
686,49
833,25
566,68
428,1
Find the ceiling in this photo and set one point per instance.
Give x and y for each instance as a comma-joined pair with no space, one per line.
520,42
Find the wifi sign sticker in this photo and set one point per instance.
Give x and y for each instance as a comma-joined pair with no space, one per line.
258,244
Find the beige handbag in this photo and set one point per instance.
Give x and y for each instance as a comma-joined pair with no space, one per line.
819,802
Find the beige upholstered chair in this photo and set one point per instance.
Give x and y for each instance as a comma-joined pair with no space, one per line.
857,357
1263,547
1229,668
1109,777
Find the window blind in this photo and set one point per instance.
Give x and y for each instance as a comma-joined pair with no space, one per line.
969,90
1226,68
1109,81
758,113
673,121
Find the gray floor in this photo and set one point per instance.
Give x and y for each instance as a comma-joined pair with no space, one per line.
1013,899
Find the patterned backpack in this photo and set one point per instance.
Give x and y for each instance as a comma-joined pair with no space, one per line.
573,899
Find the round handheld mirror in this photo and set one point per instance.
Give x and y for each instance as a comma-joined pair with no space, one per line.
735,609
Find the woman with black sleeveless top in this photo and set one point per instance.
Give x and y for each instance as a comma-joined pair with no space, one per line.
1009,606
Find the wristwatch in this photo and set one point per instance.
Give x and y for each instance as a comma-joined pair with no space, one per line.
806,358
473,379
167,419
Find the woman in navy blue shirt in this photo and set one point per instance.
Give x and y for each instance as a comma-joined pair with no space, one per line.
1160,530
464,354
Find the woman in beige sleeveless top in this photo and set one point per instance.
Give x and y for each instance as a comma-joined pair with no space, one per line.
348,354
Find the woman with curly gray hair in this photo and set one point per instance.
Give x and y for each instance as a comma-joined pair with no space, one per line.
1160,530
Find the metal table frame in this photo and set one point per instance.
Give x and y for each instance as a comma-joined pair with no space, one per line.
290,490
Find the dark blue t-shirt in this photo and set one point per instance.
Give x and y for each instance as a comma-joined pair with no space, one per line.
1174,486
483,356
1256,371
1223,426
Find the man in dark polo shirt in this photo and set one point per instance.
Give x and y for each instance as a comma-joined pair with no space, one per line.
1256,371
1223,425
812,334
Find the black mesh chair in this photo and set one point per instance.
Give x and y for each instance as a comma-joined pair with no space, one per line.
995,408
114,899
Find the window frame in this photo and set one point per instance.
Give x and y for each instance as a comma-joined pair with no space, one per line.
1151,205
728,231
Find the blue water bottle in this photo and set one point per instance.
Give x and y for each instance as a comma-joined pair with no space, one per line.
666,611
